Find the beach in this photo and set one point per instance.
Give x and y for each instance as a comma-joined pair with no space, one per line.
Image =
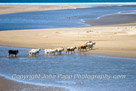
112,38
119,41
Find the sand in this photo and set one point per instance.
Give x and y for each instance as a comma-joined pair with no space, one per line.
17,9
10,85
114,40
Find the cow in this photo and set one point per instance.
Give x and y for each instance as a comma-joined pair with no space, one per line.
50,52
90,45
13,52
34,52
71,49
89,42
59,50
82,47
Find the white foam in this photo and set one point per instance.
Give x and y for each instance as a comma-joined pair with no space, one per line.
75,4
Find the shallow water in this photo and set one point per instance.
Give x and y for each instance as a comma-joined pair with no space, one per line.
59,18
67,68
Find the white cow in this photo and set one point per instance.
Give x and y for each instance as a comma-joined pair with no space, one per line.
34,52
90,45
50,52
59,50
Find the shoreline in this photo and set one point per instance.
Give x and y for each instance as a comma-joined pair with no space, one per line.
110,43
8,9
105,20
110,53
9,84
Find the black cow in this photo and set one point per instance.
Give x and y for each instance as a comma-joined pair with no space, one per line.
13,52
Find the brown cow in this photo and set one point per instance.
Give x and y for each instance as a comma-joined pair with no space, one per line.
71,49
82,47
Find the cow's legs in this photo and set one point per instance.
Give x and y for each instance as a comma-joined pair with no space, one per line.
9,54
53,53
30,53
91,47
67,52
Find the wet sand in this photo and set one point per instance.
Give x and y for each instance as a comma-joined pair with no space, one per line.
112,19
9,85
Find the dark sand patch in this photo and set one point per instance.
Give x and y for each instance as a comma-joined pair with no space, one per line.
112,19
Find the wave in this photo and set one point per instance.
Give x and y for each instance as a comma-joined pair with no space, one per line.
122,58
128,12
67,4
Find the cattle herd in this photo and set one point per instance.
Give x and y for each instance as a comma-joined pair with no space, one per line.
56,51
